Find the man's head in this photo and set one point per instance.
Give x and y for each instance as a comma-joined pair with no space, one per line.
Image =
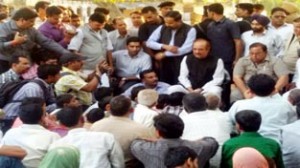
194,102
49,73
136,18
149,78
70,117
40,8
278,16
54,15
135,91
67,100
294,97
258,52
97,21
166,7
24,18
214,10
120,25
75,20
134,45
72,61
201,48
19,63
147,97
259,23
243,10
168,126
95,114
248,120
261,85
181,157
66,14
32,110
150,14
258,8
175,98
213,101
48,58
173,20
4,9
120,106
102,11
296,24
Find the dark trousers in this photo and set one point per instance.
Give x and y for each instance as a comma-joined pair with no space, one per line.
4,66
10,162
169,69
227,88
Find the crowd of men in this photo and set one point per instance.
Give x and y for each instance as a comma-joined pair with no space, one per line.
154,93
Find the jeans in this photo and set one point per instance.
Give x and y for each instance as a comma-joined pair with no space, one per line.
10,162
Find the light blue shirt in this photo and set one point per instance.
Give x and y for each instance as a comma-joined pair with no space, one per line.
161,88
118,41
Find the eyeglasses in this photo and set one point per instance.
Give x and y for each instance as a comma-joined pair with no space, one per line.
277,17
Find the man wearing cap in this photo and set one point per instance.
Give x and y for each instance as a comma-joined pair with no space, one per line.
244,11
260,33
72,82
166,7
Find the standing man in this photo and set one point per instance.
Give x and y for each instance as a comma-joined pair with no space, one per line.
93,42
119,36
172,40
40,8
165,7
244,11
136,20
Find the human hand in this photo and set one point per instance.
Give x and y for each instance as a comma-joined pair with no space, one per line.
170,48
159,56
19,39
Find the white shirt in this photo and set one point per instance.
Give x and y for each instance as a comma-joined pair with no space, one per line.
118,41
97,149
296,78
144,115
35,139
275,112
283,31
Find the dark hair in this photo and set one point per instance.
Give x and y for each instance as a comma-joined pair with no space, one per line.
95,114
104,101
135,12
297,20
193,102
133,39
48,55
102,92
63,99
101,10
175,15
73,16
69,116
44,55
258,6
261,84
175,99
178,156
246,6
168,125
143,73
294,96
261,45
166,3
97,17
31,110
135,91
149,9
120,105
276,9
216,8
162,101
41,4
15,59
248,120
24,13
53,10
44,71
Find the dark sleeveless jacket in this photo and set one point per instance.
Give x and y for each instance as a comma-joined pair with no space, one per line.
180,35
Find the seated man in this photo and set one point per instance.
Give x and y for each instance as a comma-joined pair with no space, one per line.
200,71
97,149
248,123
130,63
181,157
150,81
275,111
31,136
170,128
10,156
258,62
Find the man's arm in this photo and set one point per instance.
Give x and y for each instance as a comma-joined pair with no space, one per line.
13,151
281,82
183,75
239,82
238,49
152,41
116,156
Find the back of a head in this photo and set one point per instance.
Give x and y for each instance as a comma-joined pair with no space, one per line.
168,125
53,10
261,84
147,97
162,101
95,114
294,96
24,13
175,15
248,120
194,102
175,99
32,110
213,101
178,156
41,4
97,17
69,116
102,92
104,102
63,99
120,106
135,91
149,9
216,8
44,71
249,158
246,6
101,10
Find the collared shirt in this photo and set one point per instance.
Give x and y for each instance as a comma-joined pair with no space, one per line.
130,131
267,147
72,83
222,35
9,76
271,66
283,31
31,73
152,154
274,43
53,32
144,115
290,57
186,47
118,41
34,38
274,110
97,149
30,89
128,66
161,88
289,139
35,139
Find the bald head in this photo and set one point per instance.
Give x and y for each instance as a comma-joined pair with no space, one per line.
201,48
